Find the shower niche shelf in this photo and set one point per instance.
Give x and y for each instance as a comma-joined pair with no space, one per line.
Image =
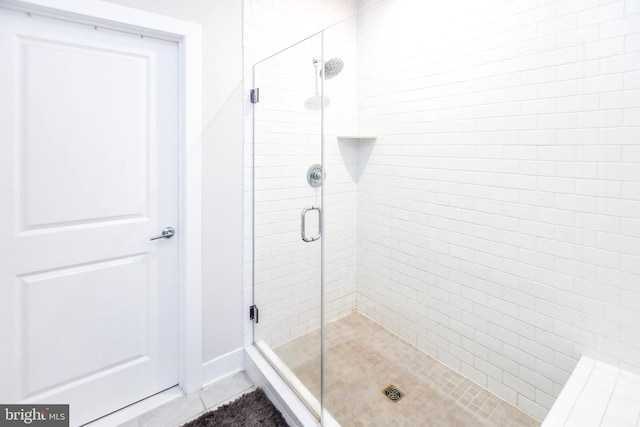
355,151
356,137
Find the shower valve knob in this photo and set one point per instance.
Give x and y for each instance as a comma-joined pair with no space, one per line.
315,174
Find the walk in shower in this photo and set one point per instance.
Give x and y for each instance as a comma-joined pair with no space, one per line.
312,324
435,236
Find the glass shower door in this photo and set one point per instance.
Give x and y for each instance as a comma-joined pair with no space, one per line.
287,215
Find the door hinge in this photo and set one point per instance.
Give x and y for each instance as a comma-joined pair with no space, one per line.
253,313
255,95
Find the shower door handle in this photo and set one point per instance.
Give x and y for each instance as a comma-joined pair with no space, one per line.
303,231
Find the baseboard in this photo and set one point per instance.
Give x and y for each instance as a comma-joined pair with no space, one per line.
134,410
222,366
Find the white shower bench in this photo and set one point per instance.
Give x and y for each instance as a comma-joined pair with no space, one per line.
597,394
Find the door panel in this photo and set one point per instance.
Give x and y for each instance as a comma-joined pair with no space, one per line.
88,173
287,270
60,349
57,80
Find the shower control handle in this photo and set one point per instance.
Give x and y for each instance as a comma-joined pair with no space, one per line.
303,226
315,174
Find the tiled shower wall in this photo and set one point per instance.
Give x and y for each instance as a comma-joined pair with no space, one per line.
286,270
499,209
288,141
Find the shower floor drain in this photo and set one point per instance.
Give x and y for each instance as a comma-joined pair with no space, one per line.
393,393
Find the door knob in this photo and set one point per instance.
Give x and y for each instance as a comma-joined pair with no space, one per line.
167,233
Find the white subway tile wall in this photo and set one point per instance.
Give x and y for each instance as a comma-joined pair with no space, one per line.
495,221
498,213
287,142
342,163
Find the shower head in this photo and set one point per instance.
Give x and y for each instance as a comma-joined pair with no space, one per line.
332,68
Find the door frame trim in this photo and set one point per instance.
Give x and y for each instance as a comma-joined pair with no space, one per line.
188,35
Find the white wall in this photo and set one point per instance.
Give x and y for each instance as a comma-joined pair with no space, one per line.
222,306
272,26
499,211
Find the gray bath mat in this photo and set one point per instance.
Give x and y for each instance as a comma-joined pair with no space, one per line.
251,410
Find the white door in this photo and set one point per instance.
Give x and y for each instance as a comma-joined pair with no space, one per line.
88,174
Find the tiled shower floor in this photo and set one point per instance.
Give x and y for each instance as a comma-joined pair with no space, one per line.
362,359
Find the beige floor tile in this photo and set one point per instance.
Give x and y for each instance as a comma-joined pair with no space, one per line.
226,389
362,359
185,408
174,413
